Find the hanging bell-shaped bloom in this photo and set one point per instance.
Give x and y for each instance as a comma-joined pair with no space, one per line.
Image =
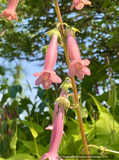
47,76
9,12
79,4
56,137
78,66
57,131
50,127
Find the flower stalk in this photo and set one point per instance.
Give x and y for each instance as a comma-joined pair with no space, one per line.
73,81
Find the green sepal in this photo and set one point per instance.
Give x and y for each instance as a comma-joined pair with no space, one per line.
72,30
52,32
63,101
66,84
44,49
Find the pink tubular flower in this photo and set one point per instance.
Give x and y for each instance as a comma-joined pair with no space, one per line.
57,130
47,76
9,12
79,4
62,94
56,137
77,66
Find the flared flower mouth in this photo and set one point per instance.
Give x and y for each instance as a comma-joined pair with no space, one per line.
79,68
8,14
79,4
78,65
46,77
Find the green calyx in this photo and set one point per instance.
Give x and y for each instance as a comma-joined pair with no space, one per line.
66,84
44,49
52,32
63,101
72,30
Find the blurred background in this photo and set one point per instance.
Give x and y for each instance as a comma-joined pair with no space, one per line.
22,54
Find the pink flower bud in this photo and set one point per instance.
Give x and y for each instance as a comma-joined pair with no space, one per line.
9,12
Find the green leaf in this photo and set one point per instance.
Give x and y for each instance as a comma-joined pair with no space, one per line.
106,3
4,98
112,101
34,133
84,112
20,110
100,107
14,90
31,146
34,126
111,42
14,141
50,109
9,121
41,92
22,157
41,106
2,70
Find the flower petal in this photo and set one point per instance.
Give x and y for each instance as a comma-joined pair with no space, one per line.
54,78
86,2
79,6
46,84
85,62
72,71
14,15
49,127
86,71
80,74
37,74
38,80
74,3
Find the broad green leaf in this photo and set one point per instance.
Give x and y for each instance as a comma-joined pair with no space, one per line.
31,146
41,106
113,98
106,124
20,110
106,3
41,92
22,149
71,147
14,89
84,112
100,107
22,157
32,125
14,141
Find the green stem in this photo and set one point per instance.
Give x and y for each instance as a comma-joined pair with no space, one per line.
107,150
14,152
36,148
73,81
113,126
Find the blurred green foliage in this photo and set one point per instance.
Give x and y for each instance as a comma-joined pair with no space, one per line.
24,39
